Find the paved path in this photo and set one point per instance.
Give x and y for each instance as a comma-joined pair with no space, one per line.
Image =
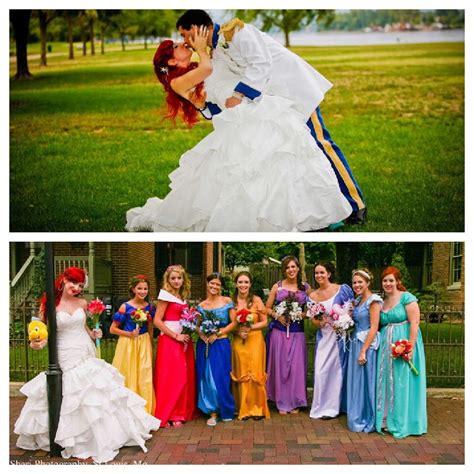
291,439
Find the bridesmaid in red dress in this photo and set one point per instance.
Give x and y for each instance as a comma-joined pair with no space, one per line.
175,382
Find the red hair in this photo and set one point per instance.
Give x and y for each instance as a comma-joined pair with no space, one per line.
72,274
165,74
396,273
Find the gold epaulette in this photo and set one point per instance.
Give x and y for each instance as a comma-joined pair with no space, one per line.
231,27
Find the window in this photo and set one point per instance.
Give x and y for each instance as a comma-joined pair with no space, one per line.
428,265
455,269
188,254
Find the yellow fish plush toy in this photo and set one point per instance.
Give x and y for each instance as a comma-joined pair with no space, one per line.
37,330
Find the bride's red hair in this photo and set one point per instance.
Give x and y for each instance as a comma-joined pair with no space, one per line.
165,74
73,274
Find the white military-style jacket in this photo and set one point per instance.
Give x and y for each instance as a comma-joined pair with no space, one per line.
265,65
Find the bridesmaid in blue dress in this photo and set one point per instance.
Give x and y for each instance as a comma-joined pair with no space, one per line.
213,370
362,363
401,393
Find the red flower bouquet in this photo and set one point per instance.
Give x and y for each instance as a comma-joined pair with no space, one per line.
96,308
401,349
244,317
140,317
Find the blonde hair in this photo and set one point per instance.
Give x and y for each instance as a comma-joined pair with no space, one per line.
185,290
364,273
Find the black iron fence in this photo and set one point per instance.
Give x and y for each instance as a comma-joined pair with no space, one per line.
442,331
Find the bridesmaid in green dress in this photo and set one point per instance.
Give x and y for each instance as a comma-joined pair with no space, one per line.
401,393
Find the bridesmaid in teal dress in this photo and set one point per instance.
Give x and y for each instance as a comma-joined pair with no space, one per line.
213,363
401,394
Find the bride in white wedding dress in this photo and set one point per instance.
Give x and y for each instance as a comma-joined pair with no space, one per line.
98,414
258,170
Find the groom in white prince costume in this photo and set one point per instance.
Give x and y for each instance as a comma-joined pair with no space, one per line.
268,66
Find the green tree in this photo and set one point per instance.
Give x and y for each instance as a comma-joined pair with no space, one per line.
105,24
45,18
20,20
286,20
91,16
70,16
245,253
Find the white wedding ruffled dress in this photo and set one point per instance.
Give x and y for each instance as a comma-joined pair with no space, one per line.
99,414
259,170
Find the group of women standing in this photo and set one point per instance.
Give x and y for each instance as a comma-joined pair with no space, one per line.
354,373
358,374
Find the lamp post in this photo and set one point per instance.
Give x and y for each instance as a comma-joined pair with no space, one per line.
54,372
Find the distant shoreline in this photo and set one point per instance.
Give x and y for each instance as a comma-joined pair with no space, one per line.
360,38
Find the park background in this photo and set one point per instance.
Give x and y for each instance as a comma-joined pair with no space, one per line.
87,139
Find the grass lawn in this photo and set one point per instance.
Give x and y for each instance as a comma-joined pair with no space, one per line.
87,140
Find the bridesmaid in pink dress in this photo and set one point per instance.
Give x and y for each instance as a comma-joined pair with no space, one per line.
175,382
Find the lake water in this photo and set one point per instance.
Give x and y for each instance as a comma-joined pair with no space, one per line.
359,38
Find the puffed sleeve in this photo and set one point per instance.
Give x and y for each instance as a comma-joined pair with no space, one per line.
119,317
249,43
152,310
374,299
346,293
407,298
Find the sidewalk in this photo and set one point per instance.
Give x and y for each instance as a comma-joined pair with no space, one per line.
291,439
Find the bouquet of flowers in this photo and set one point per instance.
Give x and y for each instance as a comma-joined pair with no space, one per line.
291,310
401,349
140,317
209,325
315,310
341,319
244,318
188,322
96,308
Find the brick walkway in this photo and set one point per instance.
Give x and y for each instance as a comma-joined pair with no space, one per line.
291,439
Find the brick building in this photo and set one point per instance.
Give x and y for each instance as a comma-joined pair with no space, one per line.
444,263
110,265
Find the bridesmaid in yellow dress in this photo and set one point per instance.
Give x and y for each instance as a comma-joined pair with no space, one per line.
248,354
134,352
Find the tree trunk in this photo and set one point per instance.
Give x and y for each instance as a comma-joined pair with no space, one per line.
43,24
21,26
84,42
91,30
302,259
287,38
123,43
70,38
102,42
146,44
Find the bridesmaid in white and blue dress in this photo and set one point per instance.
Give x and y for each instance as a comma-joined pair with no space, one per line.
213,370
362,363
330,358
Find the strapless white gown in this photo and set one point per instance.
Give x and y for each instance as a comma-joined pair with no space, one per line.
259,170
99,414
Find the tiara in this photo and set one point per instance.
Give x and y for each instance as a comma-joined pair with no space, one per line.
361,272
174,267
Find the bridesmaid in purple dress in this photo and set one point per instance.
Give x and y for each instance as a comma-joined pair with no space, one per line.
287,359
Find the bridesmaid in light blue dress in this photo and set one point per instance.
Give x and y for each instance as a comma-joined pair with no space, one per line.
401,393
362,363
